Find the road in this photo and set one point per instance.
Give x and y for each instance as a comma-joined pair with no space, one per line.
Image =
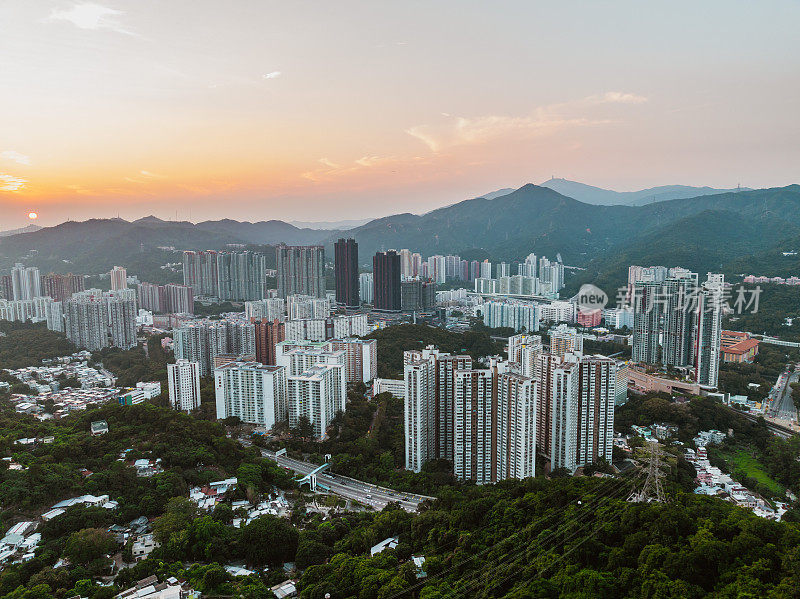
781,404
350,488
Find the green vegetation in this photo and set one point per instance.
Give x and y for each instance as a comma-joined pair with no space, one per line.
131,366
775,304
394,340
743,465
766,367
366,442
27,344
774,463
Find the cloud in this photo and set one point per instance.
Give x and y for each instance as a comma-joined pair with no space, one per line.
91,16
272,75
460,131
11,183
543,120
616,98
12,156
144,177
329,163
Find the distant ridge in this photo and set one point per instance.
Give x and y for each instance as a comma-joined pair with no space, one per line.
607,197
29,229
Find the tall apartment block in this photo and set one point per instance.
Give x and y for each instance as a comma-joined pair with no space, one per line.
346,273
268,333
386,273
366,287
301,270
26,282
119,278
361,357
61,287
678,322
315,394
251,391
183,380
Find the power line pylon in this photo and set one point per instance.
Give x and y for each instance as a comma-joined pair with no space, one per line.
652,490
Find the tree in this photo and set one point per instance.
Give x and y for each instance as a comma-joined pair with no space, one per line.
88,545
269,540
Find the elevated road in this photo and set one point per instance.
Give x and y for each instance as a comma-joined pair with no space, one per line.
350,488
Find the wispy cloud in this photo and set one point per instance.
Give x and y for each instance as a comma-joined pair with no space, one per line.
91,16
362,165
13,156
272,75
144,177
11,183
544,120
616,98
459,131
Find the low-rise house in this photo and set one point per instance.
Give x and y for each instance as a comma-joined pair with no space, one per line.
389,543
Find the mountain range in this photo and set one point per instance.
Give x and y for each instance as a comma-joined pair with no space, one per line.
590,194
701,232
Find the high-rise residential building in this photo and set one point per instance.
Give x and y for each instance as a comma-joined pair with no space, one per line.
429,376
200,272
183,380
416,265
708,331
252,392
301,270
202,340
7,287
474,270
517,344
315,394
486,269
366,287
557,311
86,320
306,306
121,318
171,298
240,275
406,264
516,315
268,333
646,322
311,329
386,272
564,339
597,388
561,416
119,278
677,322
361,357
26,282
484,421
503,269
61,286
353,325
271,308
237,276
346,273
417,294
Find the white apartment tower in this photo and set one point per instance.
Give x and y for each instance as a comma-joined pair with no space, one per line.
316,395
183,379
251,391
119,278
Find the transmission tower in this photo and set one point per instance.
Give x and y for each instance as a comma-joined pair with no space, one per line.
652,490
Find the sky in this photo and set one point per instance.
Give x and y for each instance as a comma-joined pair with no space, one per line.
311,111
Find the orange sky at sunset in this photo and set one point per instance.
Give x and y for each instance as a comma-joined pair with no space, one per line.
308,111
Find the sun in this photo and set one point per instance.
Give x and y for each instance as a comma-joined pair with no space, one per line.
33,215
